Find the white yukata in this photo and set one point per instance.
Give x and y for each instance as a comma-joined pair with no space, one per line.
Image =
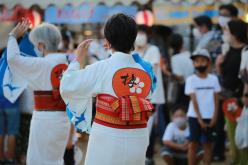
49,131
107,145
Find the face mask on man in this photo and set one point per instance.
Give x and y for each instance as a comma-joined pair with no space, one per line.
201,68
141,40
197,34
180,121
223,21
61,46
38,52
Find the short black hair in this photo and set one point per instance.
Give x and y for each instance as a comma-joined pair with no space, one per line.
204,21
176,42
238,28
234,12
178,107
121,31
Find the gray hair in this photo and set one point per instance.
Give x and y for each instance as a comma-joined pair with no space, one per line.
47,34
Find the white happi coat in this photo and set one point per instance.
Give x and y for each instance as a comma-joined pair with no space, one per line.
107,146
49,131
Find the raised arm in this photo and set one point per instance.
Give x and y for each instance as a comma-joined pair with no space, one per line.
77,82
77,88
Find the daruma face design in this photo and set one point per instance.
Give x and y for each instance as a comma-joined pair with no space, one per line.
131,81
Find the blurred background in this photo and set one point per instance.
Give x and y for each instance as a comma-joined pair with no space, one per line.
84,18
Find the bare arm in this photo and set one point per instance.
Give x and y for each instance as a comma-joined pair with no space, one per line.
219,62
216,103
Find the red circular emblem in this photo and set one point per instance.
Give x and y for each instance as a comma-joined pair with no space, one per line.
56,75
131,81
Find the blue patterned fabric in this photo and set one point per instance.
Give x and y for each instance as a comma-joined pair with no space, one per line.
147,67
26,49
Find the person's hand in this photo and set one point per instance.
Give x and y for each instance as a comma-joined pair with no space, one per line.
20,28
203,124
184,147
212,123
165,69
82,51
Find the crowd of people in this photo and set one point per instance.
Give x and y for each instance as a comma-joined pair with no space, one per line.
200,99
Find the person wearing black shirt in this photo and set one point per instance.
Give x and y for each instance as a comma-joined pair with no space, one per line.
228,66
230,71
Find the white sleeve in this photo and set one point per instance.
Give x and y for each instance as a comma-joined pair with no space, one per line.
189,89
217,87
80,83
28,67
175,68
168,133
153,55
77,88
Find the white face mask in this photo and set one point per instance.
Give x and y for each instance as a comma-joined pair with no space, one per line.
60,46
38,52
223,21
197,34
180,121
141,40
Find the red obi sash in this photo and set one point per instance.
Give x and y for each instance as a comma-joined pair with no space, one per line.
125,112
48,101
51,100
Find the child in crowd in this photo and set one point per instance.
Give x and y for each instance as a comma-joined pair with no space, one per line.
175,139
203,89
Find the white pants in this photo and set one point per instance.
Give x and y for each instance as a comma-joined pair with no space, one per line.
49,133
110,146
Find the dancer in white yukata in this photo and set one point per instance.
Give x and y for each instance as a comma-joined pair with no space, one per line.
122,83
49,128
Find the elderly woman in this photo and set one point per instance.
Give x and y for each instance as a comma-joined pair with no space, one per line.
49,128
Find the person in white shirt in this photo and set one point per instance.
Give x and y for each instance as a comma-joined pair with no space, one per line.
175,139
181,67
49,129
203,31
203,89
123,85
181,64
151,54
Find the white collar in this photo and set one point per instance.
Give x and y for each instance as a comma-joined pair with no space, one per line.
120,54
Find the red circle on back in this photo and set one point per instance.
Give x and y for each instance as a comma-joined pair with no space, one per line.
56,75
131,81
